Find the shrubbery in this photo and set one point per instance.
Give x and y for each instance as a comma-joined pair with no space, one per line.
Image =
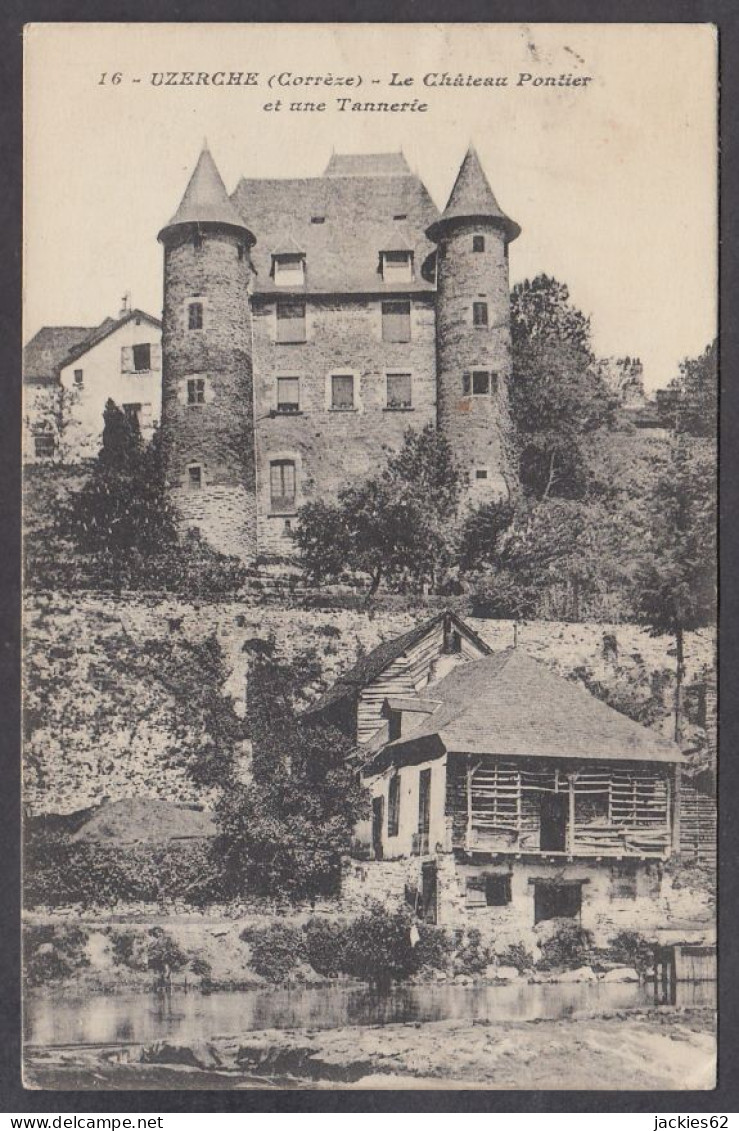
516,955
275,950
632,949
59,871
566,944
376,947
51,953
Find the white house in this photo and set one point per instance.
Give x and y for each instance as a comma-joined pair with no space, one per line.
120,360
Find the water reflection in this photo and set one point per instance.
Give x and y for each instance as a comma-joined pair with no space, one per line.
102,1018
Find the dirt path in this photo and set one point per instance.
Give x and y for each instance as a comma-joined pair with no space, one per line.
652,1050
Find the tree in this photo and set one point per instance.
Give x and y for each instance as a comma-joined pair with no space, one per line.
122,526
677,566
395,526
284,831
692,396
558,395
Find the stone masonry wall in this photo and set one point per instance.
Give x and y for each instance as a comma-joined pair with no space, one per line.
219,434
478,427
102,735
331,448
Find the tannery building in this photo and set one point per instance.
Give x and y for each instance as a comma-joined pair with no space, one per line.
503,790
308,323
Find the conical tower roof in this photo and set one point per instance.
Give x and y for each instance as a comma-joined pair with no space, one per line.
206,200
472,199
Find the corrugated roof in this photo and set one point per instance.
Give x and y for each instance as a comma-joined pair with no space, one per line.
343,250
47,348
369,667
206,199
511,705
472,198
367,165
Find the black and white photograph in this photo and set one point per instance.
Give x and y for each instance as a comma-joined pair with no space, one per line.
369,439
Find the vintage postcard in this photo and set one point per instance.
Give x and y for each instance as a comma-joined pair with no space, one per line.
369,437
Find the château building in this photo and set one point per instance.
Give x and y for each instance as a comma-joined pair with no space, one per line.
308,323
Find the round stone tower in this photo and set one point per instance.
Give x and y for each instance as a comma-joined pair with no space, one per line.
473,333
207,401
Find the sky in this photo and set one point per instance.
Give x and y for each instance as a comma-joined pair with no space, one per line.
613,180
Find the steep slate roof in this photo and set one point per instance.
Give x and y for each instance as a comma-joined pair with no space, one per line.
47,348
367,165
512,705
473,199
358,209
206,200
369,667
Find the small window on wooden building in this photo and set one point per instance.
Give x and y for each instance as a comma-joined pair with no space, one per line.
479,314
291,320
396,321
393,806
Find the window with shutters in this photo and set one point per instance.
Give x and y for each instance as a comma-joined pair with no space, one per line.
397,266
142,357
396,321
291,320
342,392
195,391
288,270
282,485
393,806
399,390
195,316
288,394
479,314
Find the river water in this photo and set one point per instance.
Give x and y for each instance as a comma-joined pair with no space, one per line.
186,1017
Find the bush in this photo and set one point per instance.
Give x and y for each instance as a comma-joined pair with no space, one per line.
53,953
567,945
129,950
201,968
325,942
434,947
163,951
472,957
275,950
378,947
517,955
632,949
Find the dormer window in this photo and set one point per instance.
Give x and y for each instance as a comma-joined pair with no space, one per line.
397,266
288,269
